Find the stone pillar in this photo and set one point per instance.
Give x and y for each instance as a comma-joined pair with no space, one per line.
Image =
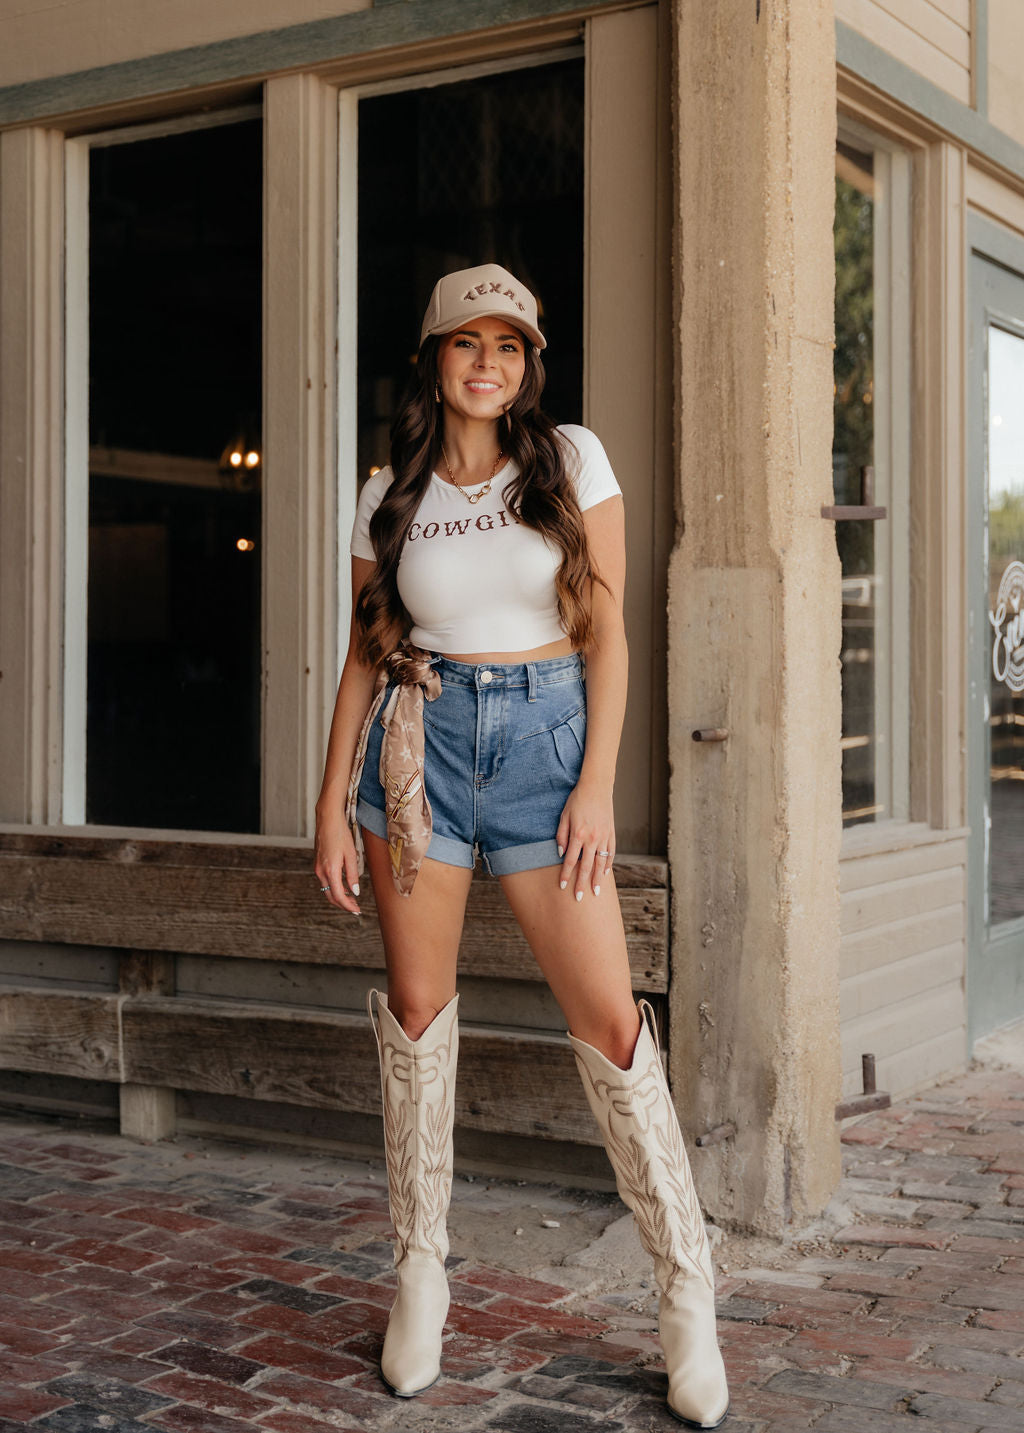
754,609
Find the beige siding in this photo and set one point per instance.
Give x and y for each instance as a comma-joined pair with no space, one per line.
902,956
931,36
986,195
39,38
1005,47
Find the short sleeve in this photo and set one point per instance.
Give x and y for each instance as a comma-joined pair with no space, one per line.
591,469
369,501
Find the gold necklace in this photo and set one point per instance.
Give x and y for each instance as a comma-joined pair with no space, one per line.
473,497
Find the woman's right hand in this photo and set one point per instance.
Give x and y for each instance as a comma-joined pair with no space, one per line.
336,865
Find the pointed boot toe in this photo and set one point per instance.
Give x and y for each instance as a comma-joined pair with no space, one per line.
411,1360
698,1393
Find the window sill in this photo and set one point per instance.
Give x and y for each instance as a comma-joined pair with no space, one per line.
891,836
147,833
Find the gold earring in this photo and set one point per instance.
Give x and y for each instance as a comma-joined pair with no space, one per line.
437,393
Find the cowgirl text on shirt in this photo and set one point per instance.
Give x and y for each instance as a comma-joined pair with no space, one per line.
460,526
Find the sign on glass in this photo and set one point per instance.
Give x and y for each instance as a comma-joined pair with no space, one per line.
1006,615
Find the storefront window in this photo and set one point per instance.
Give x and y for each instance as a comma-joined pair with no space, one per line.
483,169
1006,619
173,666
869,468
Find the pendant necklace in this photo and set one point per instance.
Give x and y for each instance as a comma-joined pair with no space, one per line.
473,497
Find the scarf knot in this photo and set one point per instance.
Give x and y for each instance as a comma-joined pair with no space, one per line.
409,821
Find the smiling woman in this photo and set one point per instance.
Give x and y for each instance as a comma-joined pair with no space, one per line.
480,371
495,654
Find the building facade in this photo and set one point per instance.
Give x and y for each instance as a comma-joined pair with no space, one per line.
763,233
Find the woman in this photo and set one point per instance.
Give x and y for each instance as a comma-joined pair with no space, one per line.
486,561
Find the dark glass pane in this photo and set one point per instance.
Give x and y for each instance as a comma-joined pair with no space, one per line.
483,170
173,721
1006,619
852,471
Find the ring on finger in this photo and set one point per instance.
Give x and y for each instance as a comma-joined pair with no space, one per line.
604,853
325,890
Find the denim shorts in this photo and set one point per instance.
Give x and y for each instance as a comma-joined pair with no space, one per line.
503,750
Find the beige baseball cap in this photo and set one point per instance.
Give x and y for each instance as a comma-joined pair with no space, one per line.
487,291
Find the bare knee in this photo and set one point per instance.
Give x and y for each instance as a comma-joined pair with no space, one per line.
615,1037
414,1013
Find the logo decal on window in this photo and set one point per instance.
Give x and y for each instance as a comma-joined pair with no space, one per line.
1008,623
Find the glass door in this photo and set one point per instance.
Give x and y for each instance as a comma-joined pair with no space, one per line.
996,574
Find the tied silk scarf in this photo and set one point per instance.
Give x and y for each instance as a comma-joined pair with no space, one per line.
401,762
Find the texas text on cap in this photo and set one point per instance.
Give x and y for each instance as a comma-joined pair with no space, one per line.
487,291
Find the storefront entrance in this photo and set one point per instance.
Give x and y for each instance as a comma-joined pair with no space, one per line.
995,569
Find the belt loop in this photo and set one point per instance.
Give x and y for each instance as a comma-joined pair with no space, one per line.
531,674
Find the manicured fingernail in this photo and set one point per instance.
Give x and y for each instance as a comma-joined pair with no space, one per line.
579,895
597,890
563,884
561,850
355,888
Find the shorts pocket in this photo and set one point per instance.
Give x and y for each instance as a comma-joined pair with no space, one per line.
559,716
570,738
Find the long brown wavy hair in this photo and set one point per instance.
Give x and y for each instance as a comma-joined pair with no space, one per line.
541,495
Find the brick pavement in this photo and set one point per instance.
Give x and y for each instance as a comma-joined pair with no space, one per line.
196,1285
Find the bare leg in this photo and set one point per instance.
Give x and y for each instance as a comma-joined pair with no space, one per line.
581,948
421,934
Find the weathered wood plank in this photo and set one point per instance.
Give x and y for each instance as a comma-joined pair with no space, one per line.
201,898
60,1033
302,1057
215,852
330,1062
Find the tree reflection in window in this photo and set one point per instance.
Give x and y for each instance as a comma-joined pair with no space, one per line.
853,470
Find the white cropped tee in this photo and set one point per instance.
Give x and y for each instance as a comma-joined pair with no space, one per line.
472,578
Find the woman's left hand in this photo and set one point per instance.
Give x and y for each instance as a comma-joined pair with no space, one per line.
586,839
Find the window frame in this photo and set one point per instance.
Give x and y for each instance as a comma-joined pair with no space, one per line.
893,377
77,151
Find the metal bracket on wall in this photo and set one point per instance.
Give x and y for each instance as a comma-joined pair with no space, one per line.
715,1136
871,1099
865,510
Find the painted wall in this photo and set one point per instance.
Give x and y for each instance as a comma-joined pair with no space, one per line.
931,36
39,39
901,989
1005,47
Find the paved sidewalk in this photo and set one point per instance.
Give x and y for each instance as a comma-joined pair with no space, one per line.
200,1285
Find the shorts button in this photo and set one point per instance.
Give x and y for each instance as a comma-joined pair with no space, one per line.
486,677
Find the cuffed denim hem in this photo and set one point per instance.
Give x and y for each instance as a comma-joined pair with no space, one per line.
441,848
512,859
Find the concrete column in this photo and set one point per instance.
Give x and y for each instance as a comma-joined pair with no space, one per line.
754,609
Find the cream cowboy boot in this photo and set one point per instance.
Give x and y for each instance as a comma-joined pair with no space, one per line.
641,1133
417,1079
